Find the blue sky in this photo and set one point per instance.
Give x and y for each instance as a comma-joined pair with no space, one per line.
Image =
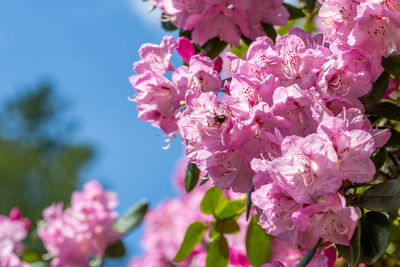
87,49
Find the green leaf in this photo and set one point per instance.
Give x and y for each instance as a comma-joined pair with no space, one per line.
269,31
379,158
351,253
394,231
132,218
295,13
374,236
257,243
310,4
213,201
30,255
386,109
382,196
227,226
203,181
309,255
244,46
218,253
187,34
166,24
378,90
248,203
191,177
39,264
213,231
394,140
116,250
285,29
213,47
194,234
392,64
232,208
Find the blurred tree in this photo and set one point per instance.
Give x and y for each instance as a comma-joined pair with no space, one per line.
38,162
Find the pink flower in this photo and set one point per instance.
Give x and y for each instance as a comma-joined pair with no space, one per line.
204,78
376,29
307,169
156,57
329,219
226,19
13,230
157,99
265,11
354,149
83,230
219,20
185,48
393,85
275,208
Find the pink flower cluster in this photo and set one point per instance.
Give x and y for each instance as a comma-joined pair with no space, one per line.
289,122
165,226
159,99
226,19
370,26
83,230
13,230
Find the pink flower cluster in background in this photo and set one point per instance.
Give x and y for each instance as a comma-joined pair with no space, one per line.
83,230
226,19
13,230
166,224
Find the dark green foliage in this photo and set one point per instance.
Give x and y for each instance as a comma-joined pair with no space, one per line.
269,31
295,13
386,109
392,64
374,236
378,90
132,218
351,253
309,255
383,196
116,250
191,177
39,164
213,47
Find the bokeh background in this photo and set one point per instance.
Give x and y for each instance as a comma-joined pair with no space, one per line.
65,117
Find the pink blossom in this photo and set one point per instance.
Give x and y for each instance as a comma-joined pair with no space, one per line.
307,169
274,207
329,219
84,230
265,11
354,149
185,48
376,29
204,77
157,100
156,57
13,230
393,85
226,19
